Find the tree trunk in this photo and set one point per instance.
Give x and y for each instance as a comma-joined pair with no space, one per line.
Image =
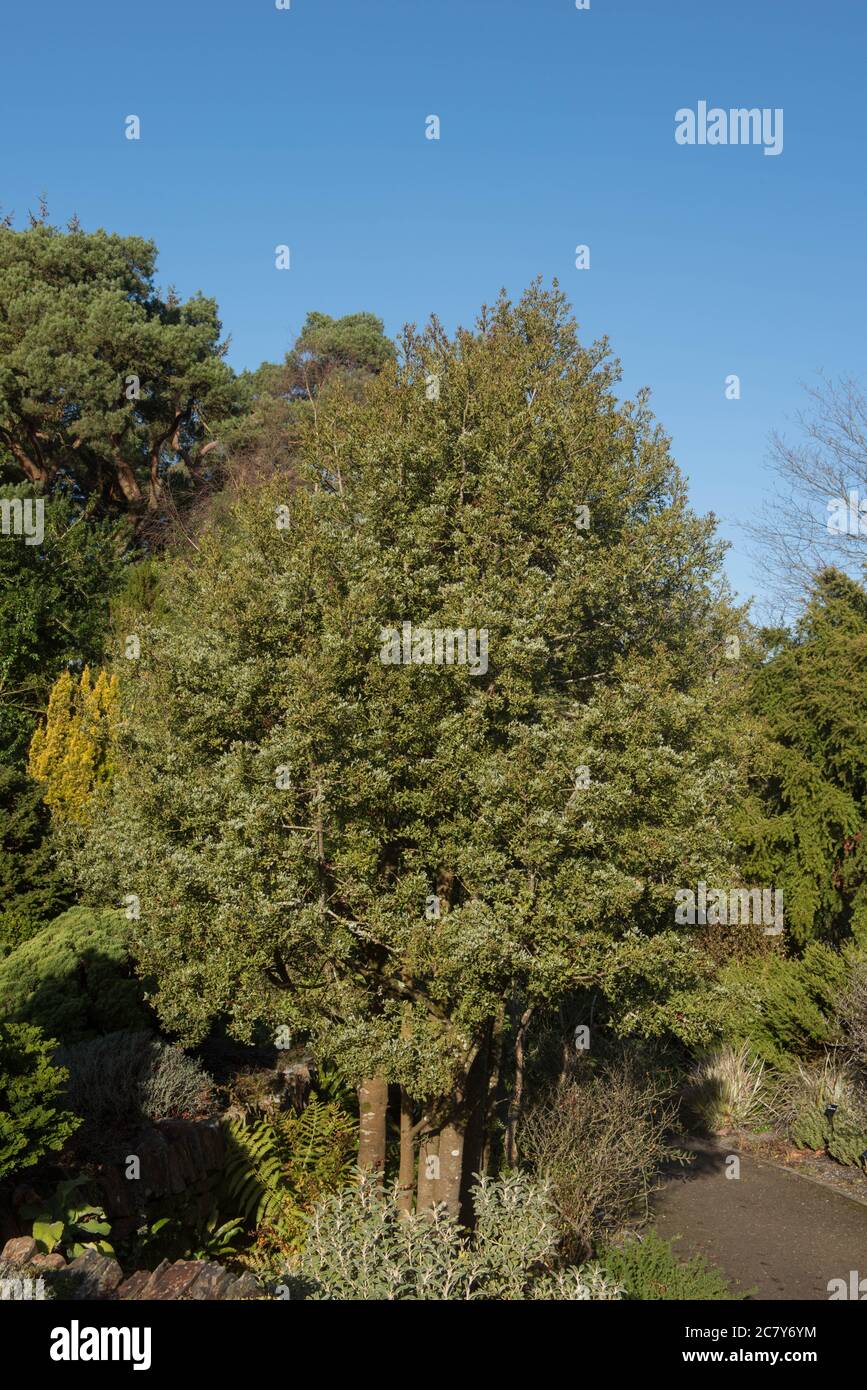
476,1127
428,1172
406,1174
517,1101
496,1095
372,1108
451,1156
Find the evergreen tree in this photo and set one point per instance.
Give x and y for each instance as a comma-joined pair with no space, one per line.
54,609
105,384
32,890
71,754
804,822
384,856
31,1124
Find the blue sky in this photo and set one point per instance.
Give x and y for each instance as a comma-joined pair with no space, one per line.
307,127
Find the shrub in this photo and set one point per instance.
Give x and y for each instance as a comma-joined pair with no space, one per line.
74,978
174,1085
71,754
30,1124
852,1014
728,1089
359,1247
784,1009
126,1077
32,891
801,1101
598,1139
647,1268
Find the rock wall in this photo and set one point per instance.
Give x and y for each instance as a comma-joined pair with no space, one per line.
95,1276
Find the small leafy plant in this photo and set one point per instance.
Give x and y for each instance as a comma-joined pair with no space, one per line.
170,1238
649,1270
69,1223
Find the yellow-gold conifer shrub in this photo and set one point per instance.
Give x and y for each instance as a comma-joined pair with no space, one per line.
71,753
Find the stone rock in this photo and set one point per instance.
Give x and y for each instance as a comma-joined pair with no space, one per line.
245,1287
155,1277
173,1282
19,1250
212,1282
55,1261
132,1287
99,1275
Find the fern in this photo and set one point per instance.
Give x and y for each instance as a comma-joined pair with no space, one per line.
277,1169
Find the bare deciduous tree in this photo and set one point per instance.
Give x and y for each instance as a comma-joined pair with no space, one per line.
813,520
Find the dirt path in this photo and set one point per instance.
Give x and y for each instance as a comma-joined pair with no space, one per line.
768,1230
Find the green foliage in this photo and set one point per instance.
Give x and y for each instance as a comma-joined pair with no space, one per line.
54,606
304,903
171,1238
127,1077
347,352
360,1248
32,889
31,1124
83,316
803,825
785,1008
820,1105
278,1169
846,1140
649,1270
355,342
69,1223
330,1084
852,1015
74,978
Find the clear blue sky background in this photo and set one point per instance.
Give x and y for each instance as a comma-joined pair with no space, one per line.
306,127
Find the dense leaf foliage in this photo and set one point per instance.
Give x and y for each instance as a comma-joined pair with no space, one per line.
32,1122
286,804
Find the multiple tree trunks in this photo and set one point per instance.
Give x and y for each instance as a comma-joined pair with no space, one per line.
450,1153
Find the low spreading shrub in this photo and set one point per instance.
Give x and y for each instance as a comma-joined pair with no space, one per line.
820,1105
127,1077
852,1015
74,978
648,1270
784,1009
359,1247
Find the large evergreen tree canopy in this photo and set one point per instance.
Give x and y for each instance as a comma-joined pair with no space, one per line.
804,826
287,807
104,382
